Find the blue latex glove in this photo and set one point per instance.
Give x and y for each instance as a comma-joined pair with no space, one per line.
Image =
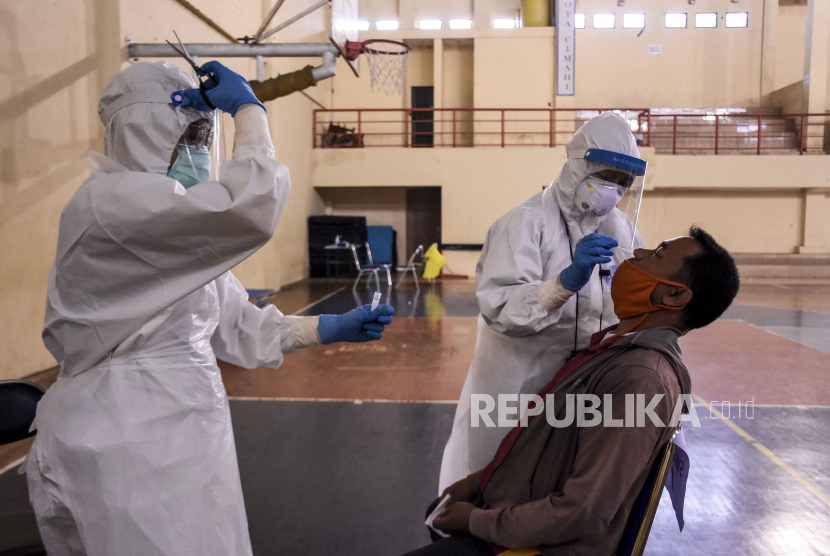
232,91
358,325
591,250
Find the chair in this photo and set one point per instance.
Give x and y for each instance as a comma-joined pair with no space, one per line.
635,534
19,535
411,265
381,240
370,268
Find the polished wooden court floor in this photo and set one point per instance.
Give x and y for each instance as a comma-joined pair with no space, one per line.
339,449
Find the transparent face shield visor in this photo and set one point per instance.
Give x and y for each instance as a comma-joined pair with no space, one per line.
206,134
630,178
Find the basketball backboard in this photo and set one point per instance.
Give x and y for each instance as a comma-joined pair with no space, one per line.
345,17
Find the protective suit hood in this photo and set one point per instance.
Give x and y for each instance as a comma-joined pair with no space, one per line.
608,131
141,125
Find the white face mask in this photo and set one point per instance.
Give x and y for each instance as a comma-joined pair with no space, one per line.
596,197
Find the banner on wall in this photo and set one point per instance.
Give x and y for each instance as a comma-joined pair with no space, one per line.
565,47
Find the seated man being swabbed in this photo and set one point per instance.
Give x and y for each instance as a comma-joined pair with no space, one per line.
568,487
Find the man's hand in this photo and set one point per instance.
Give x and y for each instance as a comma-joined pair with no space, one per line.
455,519
460,491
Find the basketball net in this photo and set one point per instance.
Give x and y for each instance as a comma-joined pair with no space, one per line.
386,68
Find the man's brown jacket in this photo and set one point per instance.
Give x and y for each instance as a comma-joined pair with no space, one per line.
569,491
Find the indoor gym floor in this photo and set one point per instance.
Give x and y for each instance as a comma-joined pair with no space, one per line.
339,449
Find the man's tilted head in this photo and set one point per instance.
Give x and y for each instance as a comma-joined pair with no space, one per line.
712,276
686,282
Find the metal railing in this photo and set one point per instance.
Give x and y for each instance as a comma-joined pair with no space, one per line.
731,132
454,127
738,133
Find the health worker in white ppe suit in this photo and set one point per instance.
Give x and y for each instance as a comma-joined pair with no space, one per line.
134,453
543,283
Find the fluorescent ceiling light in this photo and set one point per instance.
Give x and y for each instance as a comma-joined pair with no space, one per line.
504,24
675,21
604,21
362,25
579,21
706,20
386,25
429,24
634,21
461,24
737,19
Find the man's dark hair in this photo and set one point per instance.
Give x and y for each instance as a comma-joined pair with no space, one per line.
713,278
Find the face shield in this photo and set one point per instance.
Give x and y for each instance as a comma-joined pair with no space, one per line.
619,184
199,152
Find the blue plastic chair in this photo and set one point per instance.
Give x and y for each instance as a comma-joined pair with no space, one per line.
369,268
635,535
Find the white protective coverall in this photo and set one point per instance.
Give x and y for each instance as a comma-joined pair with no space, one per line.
135,453
528,321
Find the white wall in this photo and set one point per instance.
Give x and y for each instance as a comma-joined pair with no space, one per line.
382,206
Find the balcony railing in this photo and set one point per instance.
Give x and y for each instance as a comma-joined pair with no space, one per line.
727,131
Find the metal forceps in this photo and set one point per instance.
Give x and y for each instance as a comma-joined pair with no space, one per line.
199,71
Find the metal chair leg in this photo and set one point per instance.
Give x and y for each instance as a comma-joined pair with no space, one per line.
357,281
400,280
389,277
377,281
415,276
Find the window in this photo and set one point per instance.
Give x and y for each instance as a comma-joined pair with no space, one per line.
737,19
706,20
634,21
675,21
362,25
504,23
579,21
429,24
386,25
604,21
461,24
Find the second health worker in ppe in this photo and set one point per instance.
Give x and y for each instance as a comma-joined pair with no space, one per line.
540,291
135,453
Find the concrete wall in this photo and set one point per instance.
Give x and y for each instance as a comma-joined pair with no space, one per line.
750,204
790,36
49,92
382,206
698,67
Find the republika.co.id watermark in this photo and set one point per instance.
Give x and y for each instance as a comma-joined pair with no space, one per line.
589,410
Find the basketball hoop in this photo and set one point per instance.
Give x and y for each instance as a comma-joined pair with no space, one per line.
386,59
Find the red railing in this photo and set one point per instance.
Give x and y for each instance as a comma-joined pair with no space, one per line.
731,132
738,133
455,127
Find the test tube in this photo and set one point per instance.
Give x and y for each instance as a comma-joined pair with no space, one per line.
376,300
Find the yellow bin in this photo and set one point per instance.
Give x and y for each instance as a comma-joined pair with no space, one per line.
536,13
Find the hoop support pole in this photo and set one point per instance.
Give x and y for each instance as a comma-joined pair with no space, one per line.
238,50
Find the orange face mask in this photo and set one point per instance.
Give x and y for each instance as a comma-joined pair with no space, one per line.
631,290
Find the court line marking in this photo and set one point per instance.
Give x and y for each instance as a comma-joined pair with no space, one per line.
766,451
796,405
12,465
355,401
310,305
